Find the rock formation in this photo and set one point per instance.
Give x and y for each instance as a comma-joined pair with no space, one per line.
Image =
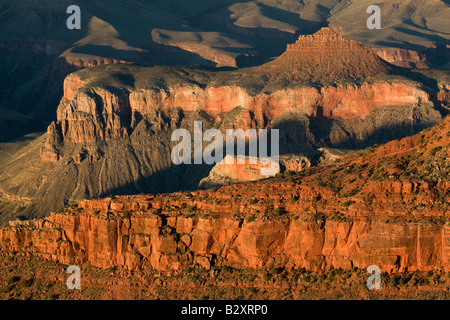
226,173
234,169
395,219
37,51
403,57
143,240
115,121
327,56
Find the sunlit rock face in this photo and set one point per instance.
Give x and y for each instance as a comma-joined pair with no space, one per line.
115,122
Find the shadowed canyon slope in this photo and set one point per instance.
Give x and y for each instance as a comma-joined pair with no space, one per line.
114,122
386,205
37,50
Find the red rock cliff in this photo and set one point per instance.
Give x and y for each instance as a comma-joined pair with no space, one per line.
98,114
361,211
117,233
92,112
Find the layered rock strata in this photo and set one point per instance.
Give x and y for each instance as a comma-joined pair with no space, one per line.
113,133
385,206
130,232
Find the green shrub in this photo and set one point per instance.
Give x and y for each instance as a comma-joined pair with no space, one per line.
227,269
393,281
276,270
317,217
126,215
26,283
53,296
435,150
279,211
13,279
346,204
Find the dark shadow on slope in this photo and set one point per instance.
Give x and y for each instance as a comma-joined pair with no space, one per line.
296,137
411,23
30,74
37,99
410,46
112,53
430,37
430,86
268,42
292,18
322,129
176,178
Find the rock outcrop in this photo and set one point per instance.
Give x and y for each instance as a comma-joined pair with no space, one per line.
229,171
234,169
327,57
403,57
114,237
386,206
115,121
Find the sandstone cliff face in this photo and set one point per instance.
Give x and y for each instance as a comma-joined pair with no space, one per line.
403,57
96,114
116,233
114,123
91,112
387,205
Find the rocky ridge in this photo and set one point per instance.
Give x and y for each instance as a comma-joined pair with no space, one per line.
114,122
93,112
37,51
327,56
230,172
392,212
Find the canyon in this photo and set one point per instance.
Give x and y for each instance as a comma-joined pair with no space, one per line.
37,51
314,219
114,122
87,175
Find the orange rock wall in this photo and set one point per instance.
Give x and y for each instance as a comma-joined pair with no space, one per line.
80,112
173,243
403,57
